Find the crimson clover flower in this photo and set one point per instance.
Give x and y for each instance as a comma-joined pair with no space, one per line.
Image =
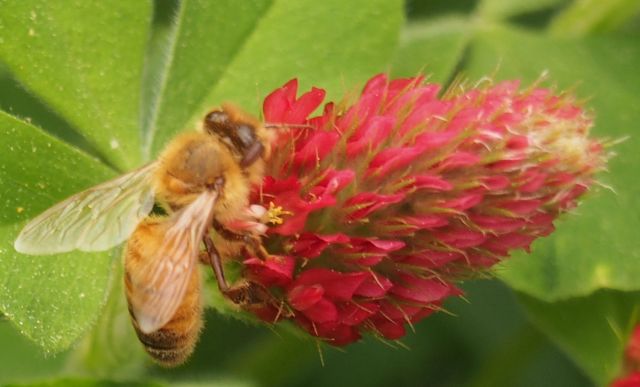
380,204
631,377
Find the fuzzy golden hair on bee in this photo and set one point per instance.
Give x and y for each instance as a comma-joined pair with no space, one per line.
172,343
203,181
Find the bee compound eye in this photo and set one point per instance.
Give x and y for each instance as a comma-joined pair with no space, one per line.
246,135
217,117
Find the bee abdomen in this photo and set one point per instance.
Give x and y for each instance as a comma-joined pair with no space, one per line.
172,344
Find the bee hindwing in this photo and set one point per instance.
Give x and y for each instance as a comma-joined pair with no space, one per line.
93,220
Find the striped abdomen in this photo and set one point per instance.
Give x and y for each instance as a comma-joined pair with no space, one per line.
174,342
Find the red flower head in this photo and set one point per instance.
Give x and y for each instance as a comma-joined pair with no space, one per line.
631,372
631,380
378,207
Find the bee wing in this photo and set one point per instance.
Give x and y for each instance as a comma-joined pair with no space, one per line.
93,220
161,282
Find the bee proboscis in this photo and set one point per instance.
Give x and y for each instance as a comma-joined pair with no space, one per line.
202,180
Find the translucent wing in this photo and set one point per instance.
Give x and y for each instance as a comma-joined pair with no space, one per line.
93,220
159,284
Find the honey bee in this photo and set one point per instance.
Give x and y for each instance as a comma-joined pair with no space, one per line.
202,180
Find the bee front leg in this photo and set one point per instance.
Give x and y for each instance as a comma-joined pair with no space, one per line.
245,294
212,257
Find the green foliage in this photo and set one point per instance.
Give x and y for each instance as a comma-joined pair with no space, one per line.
85,60
598,340
90,89
52,300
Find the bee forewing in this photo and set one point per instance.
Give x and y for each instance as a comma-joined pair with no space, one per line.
160,284
93,220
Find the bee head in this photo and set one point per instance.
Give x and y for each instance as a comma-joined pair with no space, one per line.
240,136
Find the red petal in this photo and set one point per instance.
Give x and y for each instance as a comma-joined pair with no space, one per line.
633,348
425,110
498,223
461,238
376,85
374,244
275,270
459,159
397,310
321,122
353,314
367,106
391,330
518,142
422,313
435,140
392,159
402,85
463,202
311,245
631,380
496,183
338,286
421,290
368,136
520,206
363,204
504,243
421,221
334,333
374,286
277,104
333,182
431,182
304,297
316,148
430,258
514,164
305,105
322,311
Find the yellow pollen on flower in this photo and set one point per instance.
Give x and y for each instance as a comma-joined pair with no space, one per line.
275,214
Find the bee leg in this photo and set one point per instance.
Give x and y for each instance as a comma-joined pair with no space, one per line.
242,294
213,258
250,240
247,294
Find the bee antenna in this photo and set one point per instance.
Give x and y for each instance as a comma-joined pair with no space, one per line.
277,126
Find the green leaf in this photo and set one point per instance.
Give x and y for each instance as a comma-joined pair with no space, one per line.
85,60
328,44
86,382
585,17
501,9
22,360
111,349
597,245
432,46
50,299
197,56
70,382
593,330
18,102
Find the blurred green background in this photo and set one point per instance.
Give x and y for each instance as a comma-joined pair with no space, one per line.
91,89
